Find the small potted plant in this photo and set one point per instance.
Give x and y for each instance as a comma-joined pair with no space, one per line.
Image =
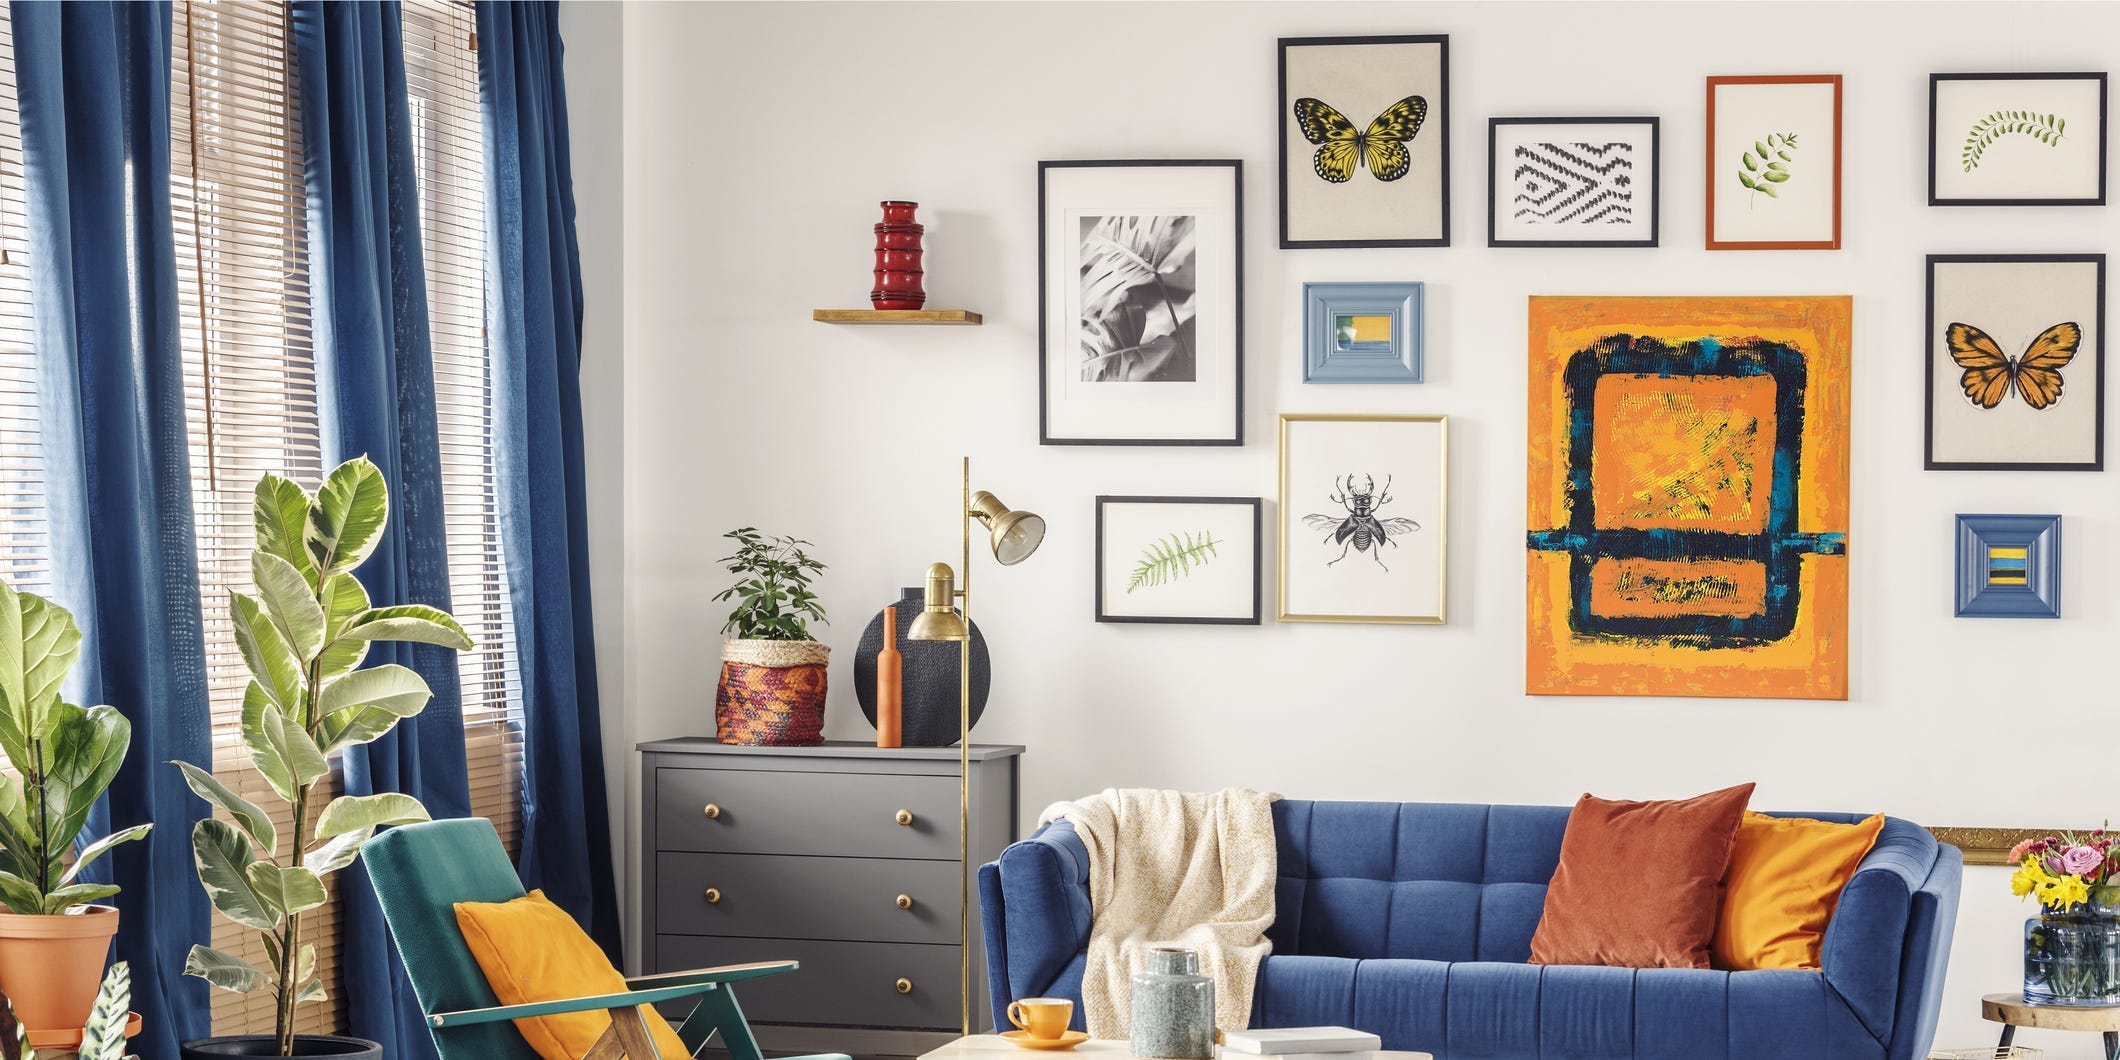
304,635
53,940
771,692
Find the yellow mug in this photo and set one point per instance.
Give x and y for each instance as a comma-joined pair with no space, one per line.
1042,1017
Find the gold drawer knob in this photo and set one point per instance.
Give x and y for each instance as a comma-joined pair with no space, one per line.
712,811
904,819
905,986
905,901
712,895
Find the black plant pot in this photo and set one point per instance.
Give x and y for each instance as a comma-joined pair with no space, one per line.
261,1047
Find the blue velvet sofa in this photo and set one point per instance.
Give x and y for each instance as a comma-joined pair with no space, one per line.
1414,921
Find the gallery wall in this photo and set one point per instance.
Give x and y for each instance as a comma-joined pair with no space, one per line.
757,140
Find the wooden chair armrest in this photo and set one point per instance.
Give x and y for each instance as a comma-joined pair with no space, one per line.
727,973
652,996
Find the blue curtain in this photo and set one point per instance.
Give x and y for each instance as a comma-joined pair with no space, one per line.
535,294
375,389
93,82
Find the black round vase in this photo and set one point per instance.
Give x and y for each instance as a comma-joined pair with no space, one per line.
261,1047
931,691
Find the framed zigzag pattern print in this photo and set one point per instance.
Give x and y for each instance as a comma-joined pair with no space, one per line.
1572,182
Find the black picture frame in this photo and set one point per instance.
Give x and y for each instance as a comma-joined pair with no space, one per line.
1257,559
1929,357
1236,168
1656,182
2104,104
1440,117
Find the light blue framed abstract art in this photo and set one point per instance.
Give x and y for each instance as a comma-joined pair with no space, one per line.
1362,332
2009,566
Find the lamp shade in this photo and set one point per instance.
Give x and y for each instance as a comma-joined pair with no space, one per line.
1015,534
938,618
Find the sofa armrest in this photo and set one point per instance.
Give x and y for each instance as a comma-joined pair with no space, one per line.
1871,927
1928,954
1041,927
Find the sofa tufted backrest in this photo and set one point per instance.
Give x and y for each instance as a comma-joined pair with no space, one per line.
1417,880
1426,881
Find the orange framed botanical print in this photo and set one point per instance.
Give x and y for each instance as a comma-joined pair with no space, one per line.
1688,501
1774,162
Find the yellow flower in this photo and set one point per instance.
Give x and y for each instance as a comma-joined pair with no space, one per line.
2067,891
2025,878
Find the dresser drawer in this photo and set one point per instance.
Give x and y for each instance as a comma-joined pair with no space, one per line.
839,814
782,896
852,984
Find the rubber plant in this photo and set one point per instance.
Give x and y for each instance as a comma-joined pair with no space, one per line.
304,635
63,756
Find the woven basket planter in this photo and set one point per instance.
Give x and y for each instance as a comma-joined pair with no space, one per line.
771,693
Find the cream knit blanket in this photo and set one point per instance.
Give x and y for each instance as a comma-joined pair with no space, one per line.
1168,868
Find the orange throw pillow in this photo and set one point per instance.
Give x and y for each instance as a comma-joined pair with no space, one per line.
531,950
1639,882
1785,879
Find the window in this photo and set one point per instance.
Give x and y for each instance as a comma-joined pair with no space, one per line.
250,375
441,77
25,549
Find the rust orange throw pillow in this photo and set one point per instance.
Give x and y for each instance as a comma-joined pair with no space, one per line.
531,950
1639,882
1785,879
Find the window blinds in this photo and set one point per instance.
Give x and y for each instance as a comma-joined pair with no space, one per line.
250,377
25,548
441,77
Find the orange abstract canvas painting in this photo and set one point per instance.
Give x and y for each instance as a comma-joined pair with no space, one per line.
1688,497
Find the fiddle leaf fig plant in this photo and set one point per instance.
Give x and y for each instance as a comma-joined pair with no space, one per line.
63,756
304,635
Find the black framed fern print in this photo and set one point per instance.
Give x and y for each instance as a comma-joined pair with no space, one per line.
2034,139
1178,560
1365,141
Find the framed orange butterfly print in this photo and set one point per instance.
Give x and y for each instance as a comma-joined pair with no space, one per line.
2015,362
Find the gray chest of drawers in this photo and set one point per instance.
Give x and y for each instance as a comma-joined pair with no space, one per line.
842,857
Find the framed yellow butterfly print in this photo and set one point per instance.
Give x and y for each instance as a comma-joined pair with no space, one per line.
2016,362
1365,141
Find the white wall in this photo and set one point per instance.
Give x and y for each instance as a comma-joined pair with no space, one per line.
595,109
760,137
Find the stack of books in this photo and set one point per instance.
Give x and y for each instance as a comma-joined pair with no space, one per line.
1300,1043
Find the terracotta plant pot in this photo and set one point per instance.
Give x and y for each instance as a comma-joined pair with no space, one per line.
51,966
260,1047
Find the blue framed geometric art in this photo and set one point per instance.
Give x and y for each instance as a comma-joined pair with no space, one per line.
2009,566
1362,332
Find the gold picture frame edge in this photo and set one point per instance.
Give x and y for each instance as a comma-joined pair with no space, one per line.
1442,594
1990,846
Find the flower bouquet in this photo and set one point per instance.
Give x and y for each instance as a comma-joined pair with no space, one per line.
2072,949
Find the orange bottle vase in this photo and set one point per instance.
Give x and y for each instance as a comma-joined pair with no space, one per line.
890,685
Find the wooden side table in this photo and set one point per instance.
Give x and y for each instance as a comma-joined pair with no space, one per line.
2013,1011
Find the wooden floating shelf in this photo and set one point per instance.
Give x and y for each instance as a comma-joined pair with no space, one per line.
895,316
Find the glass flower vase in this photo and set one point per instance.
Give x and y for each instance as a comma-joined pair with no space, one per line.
2073,957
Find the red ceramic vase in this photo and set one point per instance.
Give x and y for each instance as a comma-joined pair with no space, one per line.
898,255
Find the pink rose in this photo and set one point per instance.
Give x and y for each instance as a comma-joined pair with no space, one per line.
2081,861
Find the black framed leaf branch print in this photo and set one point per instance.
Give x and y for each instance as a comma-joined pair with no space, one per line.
2034,139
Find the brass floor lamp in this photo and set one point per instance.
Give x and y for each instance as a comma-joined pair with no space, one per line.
947,615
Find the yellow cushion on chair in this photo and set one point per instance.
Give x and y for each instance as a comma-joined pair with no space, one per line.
531,950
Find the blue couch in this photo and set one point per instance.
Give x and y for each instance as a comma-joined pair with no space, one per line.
1414,921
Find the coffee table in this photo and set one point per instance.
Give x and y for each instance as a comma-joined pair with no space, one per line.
2013,1011
994,1047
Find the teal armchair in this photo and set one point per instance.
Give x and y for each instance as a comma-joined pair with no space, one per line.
421,871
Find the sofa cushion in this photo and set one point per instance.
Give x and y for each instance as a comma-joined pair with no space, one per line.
1496,1011
1784,881
1639,883
1423,881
